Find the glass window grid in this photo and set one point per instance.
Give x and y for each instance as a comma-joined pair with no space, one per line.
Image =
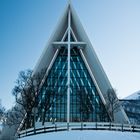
86,106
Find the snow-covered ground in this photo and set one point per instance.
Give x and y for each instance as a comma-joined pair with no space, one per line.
85,135
134,96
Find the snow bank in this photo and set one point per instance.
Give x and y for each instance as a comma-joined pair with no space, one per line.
85,135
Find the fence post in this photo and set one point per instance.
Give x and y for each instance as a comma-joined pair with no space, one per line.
110,126
34,131
68,126
34,128
96,125
122,127
26,132
18,135
133,128
44,129
55,127
81,125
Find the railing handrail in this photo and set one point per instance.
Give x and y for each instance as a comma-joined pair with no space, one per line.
79,126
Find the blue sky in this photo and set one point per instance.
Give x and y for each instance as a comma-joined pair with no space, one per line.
113,26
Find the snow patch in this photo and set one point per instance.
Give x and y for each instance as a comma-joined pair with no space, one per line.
85,135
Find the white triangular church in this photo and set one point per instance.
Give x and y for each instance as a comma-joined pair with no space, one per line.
75,86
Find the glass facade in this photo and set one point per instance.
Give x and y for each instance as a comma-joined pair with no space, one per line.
85,102
53,96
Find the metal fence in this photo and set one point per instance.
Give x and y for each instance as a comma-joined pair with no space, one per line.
78,126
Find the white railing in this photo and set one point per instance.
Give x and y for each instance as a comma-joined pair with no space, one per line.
49,127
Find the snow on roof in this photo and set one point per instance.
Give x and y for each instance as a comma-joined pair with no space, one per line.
134,96
85,135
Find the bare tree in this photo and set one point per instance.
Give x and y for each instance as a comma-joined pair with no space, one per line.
113,102
86,106
2,112
26,93
14,116
2,116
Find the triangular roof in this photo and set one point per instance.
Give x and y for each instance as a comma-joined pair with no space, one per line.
88,54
